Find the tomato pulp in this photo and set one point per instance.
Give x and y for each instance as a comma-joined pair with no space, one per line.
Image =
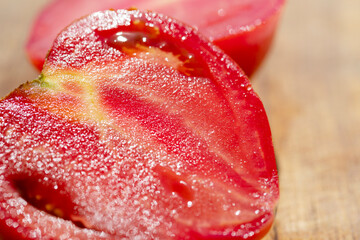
244,29
138,128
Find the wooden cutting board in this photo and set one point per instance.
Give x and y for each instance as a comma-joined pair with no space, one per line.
310,86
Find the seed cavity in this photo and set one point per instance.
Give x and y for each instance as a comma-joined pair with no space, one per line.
48,198
142,36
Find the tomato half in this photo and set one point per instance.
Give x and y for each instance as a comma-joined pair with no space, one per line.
244,29
138,128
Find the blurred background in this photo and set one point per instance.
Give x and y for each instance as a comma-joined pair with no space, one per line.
310,86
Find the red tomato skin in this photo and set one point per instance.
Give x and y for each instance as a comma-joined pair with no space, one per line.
250,48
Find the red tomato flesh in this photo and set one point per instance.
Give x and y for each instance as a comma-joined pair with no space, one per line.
138,128
244,29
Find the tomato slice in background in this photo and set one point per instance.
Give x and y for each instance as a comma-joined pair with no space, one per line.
138,128
244,29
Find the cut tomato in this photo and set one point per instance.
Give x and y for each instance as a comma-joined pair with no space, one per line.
244,29
138,128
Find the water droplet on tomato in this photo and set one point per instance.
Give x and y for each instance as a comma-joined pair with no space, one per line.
127,39
221,12
175,184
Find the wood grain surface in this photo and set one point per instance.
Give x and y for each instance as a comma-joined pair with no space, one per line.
310,86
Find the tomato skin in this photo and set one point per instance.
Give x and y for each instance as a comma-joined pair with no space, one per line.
138,140
247,43
250,48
